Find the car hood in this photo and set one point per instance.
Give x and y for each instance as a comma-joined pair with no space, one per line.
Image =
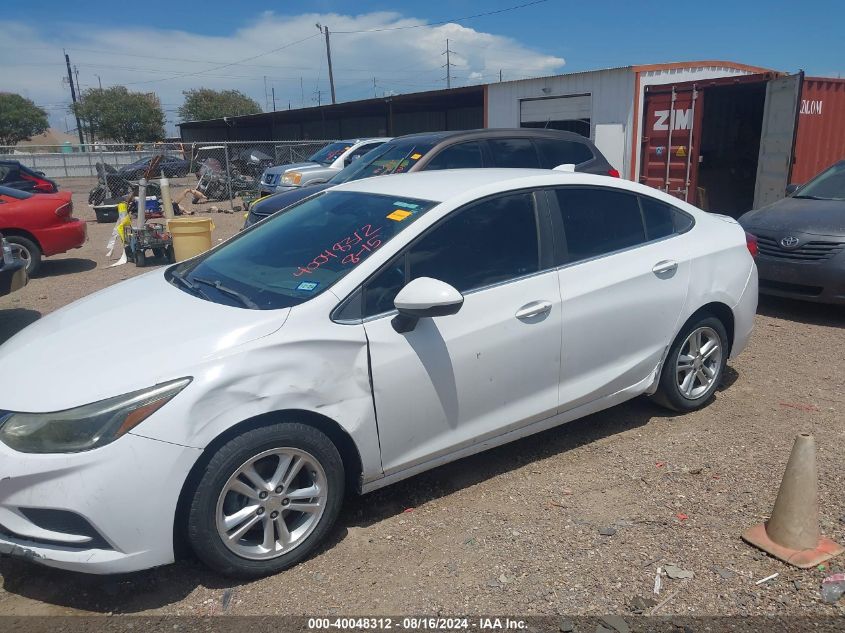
800,215
278,201
281,169
130,336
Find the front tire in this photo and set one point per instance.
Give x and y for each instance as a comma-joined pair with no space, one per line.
265,500
694,366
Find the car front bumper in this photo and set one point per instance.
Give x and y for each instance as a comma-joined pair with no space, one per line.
819,281
267,190
108,510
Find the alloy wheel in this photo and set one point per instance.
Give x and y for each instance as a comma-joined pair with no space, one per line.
699,363
271,503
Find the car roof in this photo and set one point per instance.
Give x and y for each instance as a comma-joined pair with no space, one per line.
495,133
441,185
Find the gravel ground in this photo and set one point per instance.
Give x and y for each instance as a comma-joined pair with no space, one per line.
575,520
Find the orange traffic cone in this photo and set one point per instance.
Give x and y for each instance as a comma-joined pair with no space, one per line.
792,532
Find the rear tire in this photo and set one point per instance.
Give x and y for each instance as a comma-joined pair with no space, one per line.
140,258
30,253
694,365
231,537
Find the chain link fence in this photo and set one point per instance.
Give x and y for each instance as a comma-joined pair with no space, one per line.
220,170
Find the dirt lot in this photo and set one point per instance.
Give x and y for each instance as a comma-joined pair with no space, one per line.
517,529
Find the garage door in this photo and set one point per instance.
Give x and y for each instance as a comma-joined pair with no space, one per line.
571,113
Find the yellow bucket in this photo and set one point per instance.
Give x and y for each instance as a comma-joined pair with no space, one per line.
191,236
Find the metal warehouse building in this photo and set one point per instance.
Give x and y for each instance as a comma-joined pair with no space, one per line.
722,135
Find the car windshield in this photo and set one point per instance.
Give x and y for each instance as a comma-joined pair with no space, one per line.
330,152
14,193
829,185
394,157
294,256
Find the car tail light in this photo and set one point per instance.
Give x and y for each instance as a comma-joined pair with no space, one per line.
751,243
65,211
41,185
613,172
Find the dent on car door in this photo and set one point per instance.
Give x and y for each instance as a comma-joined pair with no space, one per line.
624,282
455,380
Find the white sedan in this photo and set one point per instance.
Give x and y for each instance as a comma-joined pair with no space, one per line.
369,333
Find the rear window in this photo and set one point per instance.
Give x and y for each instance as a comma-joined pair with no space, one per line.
554,152
14,193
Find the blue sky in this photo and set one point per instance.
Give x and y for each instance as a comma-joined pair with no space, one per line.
173,46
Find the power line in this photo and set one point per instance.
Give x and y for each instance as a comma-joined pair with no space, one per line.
246,59
468,17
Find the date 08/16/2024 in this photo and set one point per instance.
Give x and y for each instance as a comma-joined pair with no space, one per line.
368,243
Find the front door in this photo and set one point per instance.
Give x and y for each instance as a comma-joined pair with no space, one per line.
455,380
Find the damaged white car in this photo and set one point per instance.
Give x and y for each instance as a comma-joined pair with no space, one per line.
371,332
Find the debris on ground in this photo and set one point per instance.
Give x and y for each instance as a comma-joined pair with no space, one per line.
616,623
724,572
832,588
675,573
566,626
639,604
658,581
607,531
766,579
226,600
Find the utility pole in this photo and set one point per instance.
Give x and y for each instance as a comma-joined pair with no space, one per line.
301,94
73,98
99,81
266,104
325,31
500,75
448,65
273,88
319,97
374,88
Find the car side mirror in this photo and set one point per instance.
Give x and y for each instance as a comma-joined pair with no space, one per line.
424,297
792,188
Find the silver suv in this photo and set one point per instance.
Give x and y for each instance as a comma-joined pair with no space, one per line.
319,168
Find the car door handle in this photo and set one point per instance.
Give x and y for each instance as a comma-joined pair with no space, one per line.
666,266
535,308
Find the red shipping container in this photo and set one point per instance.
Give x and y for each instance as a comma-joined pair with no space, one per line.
820,139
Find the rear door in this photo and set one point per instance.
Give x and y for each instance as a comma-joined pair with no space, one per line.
623,284
777,139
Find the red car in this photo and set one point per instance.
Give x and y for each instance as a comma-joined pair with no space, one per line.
41,224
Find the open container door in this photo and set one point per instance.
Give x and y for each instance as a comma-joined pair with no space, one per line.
777,140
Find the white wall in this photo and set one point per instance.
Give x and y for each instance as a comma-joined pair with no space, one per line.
612,99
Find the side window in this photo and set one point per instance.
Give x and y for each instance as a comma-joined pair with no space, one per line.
489,242
358,153
662,219
460,156
4,172
599,221
554,153
513,152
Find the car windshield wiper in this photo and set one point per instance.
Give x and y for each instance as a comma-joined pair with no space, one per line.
245,301
187,284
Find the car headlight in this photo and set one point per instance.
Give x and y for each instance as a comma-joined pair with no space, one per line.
292,178
86,427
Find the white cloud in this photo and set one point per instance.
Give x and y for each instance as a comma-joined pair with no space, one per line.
169,61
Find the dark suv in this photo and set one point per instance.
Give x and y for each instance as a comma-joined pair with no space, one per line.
521,148
17,176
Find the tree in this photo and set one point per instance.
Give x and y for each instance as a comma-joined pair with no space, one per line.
202,104
20,119
116,114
